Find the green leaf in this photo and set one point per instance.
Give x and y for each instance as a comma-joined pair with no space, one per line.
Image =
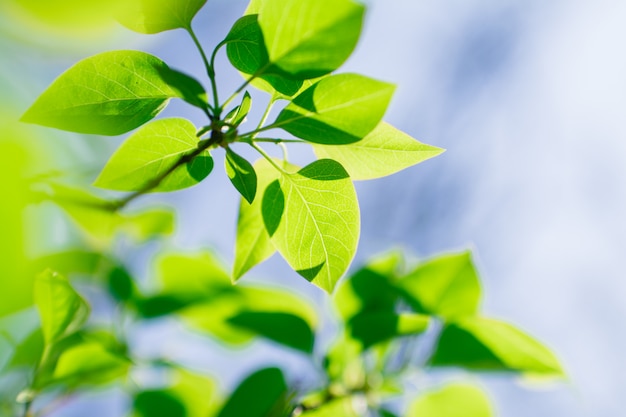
71,262
158,403
107,94
286,329
151,152
246,51
154,16
239,113
454,400
338,109
373,328
90,364
446,286
257,396
147,224
384,151
241,174
340,407
310,38
253,244
186,87
61,308
313,219
193,274
197,392
486,344
121,285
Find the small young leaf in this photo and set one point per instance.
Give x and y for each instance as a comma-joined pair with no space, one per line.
241,174
154,16
384,151
152,151
107,94
253,244
310,38
61,308
485,344
446,286
338,109
246,51
286,329
239,113
313,219
454,400
257,395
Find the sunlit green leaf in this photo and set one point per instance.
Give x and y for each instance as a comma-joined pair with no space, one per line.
197,392
454,400
491,345
61,308
313,219
239,113
71,262
154,16
376,327
257,396
151,152
338,109
186,87
200,273
241,174
246,51
446,286
108,94
286,329
384,151
309,38
253,244
90,364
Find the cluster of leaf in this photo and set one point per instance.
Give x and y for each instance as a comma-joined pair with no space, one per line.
290,49
383,310
310,215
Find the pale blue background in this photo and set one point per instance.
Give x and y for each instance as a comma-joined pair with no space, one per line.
529,98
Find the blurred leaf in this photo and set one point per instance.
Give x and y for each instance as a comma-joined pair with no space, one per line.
454,400
491,345
152,151
340,407
194,274
62,310
257,395
286,329
253,244
107,94
90,364
313,219
241,174
344,363
72,262
154,16
246,51
21,340
145,225
384,151
239,113
372,328
315,45
338,109
121,284
158,403
446,286
197,392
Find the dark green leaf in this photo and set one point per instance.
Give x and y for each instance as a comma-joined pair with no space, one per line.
286,329
121,285
454,400
338,109
446,286
384,151
61,308
154,16
158,403
485,344
241,174
186,87
151,152
373,328
310,38
257,395
317,230
107,94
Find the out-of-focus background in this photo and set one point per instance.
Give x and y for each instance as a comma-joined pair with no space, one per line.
528,98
